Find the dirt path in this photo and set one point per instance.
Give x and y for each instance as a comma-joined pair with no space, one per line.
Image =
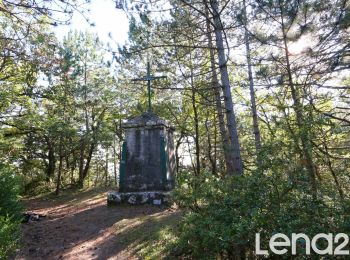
81,226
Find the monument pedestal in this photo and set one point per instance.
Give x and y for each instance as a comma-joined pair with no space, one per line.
148,162
138,198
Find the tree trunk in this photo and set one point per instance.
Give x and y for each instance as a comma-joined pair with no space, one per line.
177,146
82,167
60,165
304,134
209,152
334,175
81,163
256,129
72,168
196,121
87,164
106,169
226,88
60,148
221,118
50,171
115,159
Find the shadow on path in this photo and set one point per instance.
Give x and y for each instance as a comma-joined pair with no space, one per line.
83,227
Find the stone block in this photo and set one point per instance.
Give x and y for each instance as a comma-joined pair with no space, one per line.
138,198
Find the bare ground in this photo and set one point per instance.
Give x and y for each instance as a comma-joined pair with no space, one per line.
81,226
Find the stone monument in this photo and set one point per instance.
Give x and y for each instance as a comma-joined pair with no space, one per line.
148,160
147,164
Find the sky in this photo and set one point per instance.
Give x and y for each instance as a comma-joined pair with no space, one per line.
107,19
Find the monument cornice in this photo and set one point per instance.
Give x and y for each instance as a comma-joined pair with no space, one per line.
148,119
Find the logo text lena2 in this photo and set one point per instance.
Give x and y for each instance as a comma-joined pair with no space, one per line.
281,244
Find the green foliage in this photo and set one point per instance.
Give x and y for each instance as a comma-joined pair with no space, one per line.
37,186
10,212
9,235
227,214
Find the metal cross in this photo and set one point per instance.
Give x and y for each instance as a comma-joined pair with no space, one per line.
148,78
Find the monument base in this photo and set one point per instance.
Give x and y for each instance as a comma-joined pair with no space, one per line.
138,198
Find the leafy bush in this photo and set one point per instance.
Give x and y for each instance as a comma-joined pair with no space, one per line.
10,212
225,215
37,187
9,235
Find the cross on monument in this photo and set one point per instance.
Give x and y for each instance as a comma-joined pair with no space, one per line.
148,78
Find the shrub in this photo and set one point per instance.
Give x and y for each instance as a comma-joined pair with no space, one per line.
9,235
225,215
10,212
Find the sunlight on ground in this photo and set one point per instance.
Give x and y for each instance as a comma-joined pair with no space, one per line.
81,226
148,236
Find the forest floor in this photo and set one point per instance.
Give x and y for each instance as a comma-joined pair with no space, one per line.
79,225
